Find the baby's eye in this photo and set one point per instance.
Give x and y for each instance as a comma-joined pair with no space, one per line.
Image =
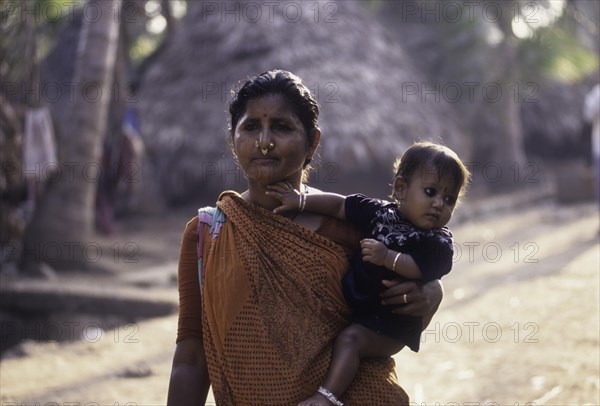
429,191
450,200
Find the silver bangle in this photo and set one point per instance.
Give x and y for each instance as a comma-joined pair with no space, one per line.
395,260
302,202
330,396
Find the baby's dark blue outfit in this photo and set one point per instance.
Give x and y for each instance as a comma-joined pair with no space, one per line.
432,250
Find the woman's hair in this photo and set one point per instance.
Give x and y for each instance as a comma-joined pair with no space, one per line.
277,82
443,159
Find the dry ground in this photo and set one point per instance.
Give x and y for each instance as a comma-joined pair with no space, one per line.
519,322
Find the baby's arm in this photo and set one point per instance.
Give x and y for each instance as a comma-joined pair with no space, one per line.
377,253
330,204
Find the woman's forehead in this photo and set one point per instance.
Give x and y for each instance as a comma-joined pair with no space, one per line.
272,104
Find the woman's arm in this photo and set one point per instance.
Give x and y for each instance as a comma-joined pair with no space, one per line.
189,382
421,301
330,204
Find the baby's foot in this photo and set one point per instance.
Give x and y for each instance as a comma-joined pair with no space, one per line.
316,400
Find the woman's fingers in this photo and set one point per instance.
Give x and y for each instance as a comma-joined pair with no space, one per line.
407,294
397,288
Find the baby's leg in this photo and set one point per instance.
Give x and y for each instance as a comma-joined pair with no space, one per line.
353,344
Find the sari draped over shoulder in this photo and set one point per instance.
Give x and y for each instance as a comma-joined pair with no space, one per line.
272,306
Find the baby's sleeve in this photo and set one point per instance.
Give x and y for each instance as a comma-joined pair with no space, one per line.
433,254
360,211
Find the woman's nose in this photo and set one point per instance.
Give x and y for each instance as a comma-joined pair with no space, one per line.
264,138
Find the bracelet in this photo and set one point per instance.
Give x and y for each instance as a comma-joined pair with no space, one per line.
396,260
302,202
330,396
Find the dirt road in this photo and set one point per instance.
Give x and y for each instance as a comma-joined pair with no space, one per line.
519,324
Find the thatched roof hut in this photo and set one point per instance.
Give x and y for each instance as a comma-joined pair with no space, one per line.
339,48
555,128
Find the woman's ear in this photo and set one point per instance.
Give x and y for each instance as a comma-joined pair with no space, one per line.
400,188
232,147
315,144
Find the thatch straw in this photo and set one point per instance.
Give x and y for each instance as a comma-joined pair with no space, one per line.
342,52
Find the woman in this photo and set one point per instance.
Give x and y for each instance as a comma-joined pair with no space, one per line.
259,320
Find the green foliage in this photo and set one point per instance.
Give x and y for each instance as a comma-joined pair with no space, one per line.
557,54
142,47
561,44
375,5
28,31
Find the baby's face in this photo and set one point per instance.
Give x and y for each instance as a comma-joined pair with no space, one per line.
428,200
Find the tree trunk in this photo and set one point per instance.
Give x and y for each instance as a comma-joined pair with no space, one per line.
500,145
501,165
61,231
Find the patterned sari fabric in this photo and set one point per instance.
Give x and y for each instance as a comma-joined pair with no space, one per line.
272,308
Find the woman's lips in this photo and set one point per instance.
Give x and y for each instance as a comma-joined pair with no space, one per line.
265,160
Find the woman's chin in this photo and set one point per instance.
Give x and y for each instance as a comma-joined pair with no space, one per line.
268,175
265,179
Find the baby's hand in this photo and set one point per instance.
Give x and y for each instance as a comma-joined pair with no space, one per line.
286,194
373,251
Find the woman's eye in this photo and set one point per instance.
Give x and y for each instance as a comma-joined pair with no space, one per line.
281,127
430,191
249,127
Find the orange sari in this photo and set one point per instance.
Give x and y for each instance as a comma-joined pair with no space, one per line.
272,306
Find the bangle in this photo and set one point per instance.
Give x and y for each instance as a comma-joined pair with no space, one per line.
330,396
302,202
396,260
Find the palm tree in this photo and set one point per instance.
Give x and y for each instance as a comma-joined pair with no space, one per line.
61,230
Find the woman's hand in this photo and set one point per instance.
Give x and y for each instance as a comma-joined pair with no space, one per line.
286,194
415,300
373,251
189,381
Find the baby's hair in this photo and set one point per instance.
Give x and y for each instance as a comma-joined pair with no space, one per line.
443,159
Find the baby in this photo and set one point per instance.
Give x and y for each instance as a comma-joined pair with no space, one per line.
406,239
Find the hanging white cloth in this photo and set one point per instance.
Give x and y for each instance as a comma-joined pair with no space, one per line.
39,146
591,111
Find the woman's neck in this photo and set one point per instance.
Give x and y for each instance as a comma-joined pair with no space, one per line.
255,194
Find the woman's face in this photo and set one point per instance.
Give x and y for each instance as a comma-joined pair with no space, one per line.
269,120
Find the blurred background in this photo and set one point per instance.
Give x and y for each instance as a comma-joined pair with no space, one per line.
113,125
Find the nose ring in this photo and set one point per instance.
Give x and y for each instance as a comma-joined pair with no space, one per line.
264,150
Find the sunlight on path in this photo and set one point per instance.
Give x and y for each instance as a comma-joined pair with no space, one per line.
528,338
